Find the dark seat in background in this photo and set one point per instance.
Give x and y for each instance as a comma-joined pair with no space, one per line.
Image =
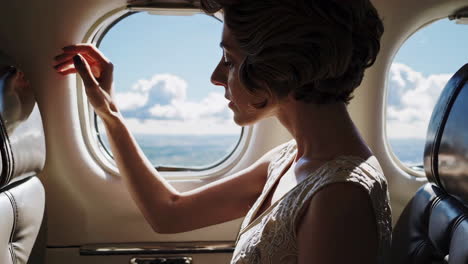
22,149
433,228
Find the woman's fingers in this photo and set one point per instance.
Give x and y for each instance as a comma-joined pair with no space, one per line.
63,58
83,68
95,71
69,71
100,66
65,65
87,50
97,96
69,56
94,62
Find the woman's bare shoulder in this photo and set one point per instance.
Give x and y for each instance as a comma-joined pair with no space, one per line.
339,210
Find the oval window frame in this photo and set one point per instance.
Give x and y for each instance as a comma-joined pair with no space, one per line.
419,174
88,118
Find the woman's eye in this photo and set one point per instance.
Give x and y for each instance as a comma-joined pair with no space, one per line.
227,63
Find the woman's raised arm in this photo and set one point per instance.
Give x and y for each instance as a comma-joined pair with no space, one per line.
166,209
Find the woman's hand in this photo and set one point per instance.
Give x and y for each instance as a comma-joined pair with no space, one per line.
97,74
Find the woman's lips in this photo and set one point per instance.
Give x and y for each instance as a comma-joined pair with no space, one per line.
231,104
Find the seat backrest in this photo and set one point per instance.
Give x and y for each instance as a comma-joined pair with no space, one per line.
22,150
433,228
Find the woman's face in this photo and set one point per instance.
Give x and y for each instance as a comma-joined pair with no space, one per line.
226,74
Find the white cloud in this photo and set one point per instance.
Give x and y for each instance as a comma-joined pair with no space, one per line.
214,105
160,106
167,86
163,88
412,97
131,100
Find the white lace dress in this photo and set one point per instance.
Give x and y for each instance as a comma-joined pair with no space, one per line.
271,237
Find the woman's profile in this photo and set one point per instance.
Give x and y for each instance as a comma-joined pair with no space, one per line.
320,198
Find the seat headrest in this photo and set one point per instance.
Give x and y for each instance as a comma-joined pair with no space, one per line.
22,144
446,149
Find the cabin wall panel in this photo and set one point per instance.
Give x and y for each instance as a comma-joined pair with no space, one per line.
84,203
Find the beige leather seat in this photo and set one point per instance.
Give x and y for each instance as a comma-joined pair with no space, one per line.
433,228
22,149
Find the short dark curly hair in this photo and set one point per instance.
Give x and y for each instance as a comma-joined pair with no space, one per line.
317,50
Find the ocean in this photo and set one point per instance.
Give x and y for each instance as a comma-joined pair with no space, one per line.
203,151
409,151
198,151
187,151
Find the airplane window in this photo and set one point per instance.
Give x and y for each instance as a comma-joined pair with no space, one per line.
419,72
162,69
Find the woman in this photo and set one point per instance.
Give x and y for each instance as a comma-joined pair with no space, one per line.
316,199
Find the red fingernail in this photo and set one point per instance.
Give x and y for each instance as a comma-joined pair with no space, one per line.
77,59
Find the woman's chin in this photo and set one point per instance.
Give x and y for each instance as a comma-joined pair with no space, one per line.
239,121
243,121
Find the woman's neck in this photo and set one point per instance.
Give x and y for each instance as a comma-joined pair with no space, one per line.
322,132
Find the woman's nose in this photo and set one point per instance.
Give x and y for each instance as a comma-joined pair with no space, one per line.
218,77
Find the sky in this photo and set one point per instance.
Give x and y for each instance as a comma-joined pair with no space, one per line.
162,74
163,66
419,72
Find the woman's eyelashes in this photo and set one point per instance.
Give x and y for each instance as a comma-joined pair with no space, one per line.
227,62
